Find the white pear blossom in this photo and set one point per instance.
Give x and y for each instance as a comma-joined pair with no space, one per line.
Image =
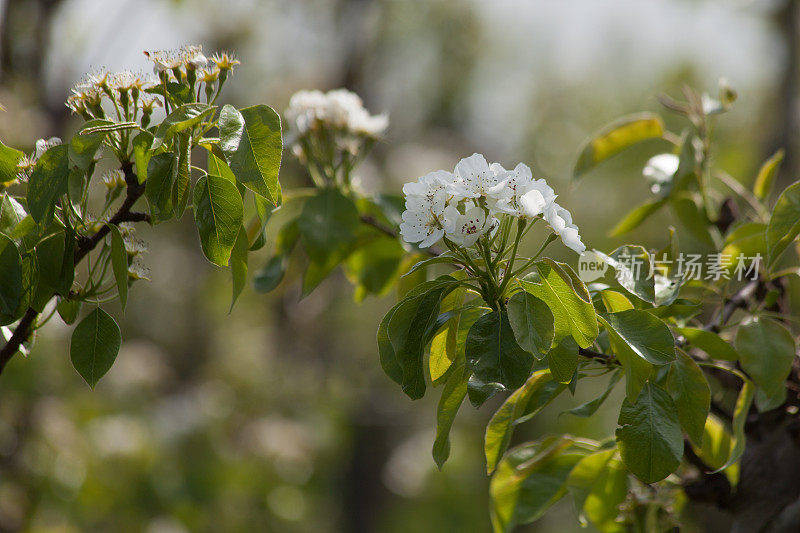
660,169
528,197
475,179
339,109
560,221
465,229
424,221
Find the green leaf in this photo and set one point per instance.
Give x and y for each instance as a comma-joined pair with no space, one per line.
616,137
650,439
537,392
218,214
589,408
563,360
84,146
53,263
328,225
180,189
48,181
766,351
444,345
141,153
68,310
766,175
692,217
183,118
717,444
372,267
162,170
632,266
636,216
747,240
452,397
710,343
689,389
94,346
530,479
567,299
599,485
10,276
252,144
11,213
447,347
239,265
270,276
443,258
496,360
784,224
646,335
9,159
532,322
615,301
119,264
740,412
411,327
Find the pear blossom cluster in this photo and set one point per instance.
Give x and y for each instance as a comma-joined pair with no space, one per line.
469,202
338,109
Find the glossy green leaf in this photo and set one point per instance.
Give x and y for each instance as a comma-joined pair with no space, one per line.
95,343
452,397
180,188
409,327
766,175
563,360
766,351
530,479
48,181
710,343
251,141
538,391
162,170
181,119
646,335
50,259
9,159
141,153
495,358
599,485
689,389
616,137
444,345
632,270
740,412
784,224
717,443
239,265
650,439
372,267
218,214
68,310
567,299
119,264
532,322
11,213
83,146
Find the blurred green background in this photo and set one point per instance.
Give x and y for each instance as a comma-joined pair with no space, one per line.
277,416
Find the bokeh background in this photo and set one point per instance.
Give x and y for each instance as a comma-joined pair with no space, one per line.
276,416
